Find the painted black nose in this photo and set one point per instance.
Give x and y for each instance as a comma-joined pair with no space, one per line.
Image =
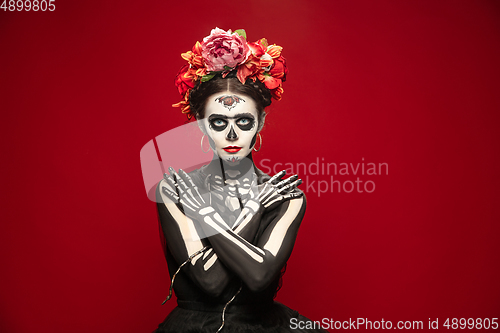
232,134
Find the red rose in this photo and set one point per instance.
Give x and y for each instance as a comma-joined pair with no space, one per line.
279,69
184,81
257,48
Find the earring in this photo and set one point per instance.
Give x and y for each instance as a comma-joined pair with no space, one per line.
260,146
202,145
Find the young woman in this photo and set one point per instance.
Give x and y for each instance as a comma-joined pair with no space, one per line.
229,229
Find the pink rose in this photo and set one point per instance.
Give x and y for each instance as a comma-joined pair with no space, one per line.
222,49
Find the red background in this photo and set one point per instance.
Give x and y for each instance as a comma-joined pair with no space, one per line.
411,84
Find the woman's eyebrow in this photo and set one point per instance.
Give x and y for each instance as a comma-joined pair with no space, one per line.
217,116
246,115
238,115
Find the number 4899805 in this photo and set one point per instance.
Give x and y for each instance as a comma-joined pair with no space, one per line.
28,5
471,323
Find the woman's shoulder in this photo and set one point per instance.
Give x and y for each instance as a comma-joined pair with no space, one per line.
262,177
198,175
160,187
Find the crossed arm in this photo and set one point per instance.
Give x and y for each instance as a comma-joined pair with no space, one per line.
230,249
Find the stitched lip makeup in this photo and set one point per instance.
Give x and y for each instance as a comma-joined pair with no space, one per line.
232,149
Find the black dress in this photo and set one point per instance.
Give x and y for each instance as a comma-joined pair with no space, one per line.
198,312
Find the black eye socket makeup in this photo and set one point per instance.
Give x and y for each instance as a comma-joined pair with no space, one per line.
219,122
245,124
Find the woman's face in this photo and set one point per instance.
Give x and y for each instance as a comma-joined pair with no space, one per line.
231,121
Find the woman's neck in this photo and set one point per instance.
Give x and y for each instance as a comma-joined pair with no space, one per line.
230,170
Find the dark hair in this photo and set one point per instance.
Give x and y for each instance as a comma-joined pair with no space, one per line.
202,90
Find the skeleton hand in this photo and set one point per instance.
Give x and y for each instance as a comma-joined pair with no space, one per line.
183,190
275,190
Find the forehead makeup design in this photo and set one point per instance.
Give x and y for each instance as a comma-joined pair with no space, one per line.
229,101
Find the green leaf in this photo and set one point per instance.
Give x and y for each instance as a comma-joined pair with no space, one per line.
241,32
227,68
207,77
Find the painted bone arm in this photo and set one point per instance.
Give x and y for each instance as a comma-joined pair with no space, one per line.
183,240
257,265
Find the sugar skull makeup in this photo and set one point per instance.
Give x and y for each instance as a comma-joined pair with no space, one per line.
231,122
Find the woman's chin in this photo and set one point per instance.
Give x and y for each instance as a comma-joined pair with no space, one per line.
232,159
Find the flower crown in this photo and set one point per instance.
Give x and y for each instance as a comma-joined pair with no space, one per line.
225,51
